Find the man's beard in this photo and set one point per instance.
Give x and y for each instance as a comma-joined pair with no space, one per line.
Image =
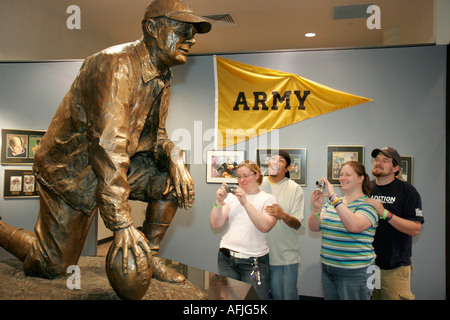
377,173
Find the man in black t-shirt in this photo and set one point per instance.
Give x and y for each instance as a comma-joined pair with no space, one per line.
400,209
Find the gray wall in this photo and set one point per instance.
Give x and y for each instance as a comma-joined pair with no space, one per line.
408,113
29,96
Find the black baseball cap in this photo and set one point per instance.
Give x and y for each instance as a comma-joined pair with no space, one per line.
388,152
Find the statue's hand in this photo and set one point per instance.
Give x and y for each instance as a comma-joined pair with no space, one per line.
180,180
131,238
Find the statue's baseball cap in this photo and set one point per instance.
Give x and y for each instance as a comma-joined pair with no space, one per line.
388,152
177,10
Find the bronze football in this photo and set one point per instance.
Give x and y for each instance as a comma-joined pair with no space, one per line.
132,285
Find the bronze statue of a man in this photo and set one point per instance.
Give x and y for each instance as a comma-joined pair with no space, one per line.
106,144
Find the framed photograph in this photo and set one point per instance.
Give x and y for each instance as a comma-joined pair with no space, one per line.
187,158
337,156
20,184
297,171
406,169
19,146
221,166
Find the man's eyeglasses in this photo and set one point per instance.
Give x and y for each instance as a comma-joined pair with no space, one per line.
385,160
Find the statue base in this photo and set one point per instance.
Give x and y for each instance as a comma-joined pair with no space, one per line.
92,285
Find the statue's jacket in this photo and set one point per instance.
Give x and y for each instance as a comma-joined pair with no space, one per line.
115,108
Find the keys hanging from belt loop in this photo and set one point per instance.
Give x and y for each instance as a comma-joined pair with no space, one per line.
255,275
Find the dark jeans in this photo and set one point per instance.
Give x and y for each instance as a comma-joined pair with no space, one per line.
241,269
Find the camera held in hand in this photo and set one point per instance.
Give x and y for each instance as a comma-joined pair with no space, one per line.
230,189
321,186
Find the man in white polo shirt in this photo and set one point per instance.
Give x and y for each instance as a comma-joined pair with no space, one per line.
283,241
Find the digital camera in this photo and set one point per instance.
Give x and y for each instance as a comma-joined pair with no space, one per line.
230,189
321,186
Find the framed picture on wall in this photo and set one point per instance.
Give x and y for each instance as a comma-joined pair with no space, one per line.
19,184
337,156
187,158
406,169
19,146
221,165
297,171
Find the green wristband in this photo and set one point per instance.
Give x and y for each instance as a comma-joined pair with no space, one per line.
317,215
387,215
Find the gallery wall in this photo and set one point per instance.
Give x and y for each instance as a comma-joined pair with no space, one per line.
29,96
408,112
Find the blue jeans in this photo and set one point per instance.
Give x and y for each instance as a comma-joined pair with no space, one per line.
346,284
241,269
283,282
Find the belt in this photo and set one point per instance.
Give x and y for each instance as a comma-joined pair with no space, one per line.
234,254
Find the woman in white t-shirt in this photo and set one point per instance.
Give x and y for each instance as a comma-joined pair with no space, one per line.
243,253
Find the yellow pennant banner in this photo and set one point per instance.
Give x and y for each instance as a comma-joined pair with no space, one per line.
251,100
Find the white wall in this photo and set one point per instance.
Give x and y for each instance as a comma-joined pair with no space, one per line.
408,89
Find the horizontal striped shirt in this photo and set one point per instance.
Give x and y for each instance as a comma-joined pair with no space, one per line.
341,248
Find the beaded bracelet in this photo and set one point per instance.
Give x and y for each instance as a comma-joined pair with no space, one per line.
216,205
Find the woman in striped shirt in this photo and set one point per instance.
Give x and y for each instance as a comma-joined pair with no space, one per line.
348,227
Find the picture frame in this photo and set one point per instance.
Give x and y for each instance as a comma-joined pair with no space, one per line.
19,146
406,169
19,183
297,172
187,158
337,156
221,165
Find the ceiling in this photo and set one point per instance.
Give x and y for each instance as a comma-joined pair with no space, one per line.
37,29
